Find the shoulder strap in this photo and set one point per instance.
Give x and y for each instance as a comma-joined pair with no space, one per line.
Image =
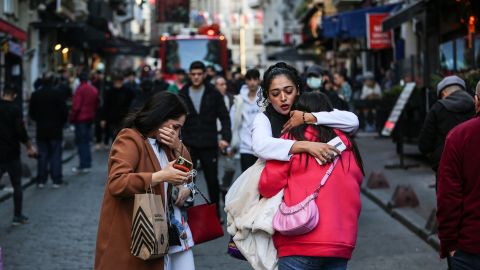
326,176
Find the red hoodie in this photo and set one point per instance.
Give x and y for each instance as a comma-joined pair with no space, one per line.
458,193
84,103
338,201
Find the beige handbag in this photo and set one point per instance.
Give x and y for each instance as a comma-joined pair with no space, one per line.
149,227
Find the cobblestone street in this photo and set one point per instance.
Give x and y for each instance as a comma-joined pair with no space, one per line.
63,225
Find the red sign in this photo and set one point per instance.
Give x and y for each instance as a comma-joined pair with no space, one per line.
375,37
12,30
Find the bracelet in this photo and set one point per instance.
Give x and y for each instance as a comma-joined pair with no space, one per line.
303,116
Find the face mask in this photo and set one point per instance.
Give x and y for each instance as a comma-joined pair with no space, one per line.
314,83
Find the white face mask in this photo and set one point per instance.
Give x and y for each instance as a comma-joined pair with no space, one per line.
314,82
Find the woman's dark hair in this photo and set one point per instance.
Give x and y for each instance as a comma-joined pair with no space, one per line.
280,68
159,108
319,102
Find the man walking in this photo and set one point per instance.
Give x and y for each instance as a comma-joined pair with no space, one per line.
12,133
205,105
84,107
49,110
454,106
243,113
458,195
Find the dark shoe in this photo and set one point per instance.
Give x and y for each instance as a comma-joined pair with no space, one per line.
19,220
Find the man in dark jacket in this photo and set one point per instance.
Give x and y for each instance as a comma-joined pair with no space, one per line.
159,84
48,109
458,195
116,106
454,106
205,105
12,133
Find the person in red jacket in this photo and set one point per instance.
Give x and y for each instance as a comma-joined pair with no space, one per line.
84,106
458,194
331,243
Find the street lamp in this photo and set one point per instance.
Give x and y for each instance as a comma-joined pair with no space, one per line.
65,50
58,47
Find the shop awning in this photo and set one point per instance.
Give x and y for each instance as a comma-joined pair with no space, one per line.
13,31
118,45
406,13
351,24
291,54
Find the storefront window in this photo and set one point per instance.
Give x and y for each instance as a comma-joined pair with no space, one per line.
446,56
463,54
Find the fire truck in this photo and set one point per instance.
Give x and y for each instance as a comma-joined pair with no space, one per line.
178,51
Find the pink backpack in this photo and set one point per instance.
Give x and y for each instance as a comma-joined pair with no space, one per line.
302,217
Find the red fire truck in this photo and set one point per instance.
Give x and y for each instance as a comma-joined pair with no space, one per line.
180,50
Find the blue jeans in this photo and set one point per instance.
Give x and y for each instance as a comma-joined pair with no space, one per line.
464,261
82,139
49,159
311,263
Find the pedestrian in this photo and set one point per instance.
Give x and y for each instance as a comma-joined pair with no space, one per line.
344,88
131,82
205,105
318,80
146,92
244,110
102,87
453,107
116,105
210,74
143,155
159,84
331,243
84,106
12,134
180,78
458,194
48,109
370,95
220,84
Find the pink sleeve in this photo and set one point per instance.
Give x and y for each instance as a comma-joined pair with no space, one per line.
274,177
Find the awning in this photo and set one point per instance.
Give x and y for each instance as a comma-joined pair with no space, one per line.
12,30
403,15
351,24
291,54
124,46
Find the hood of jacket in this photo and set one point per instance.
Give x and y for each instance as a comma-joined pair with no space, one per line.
458,102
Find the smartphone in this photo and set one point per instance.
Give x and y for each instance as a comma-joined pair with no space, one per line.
183,164
337,143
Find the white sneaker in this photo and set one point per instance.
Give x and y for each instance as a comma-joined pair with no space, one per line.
55,186
40,186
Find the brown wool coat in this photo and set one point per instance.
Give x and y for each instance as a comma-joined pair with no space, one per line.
131,164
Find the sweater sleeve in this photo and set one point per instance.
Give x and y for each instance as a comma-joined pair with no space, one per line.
76,105
123,181
274,178
343,120
449,196
265,146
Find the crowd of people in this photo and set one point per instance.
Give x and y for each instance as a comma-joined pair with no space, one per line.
279,125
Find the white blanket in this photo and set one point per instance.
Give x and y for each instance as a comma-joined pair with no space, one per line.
249,219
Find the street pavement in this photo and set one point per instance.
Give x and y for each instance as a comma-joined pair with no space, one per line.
63,226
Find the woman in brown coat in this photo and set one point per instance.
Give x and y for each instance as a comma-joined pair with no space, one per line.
132,167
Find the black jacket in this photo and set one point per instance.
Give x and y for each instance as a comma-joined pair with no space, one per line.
444,115
48,109
12,131
200,129
160,85
116,105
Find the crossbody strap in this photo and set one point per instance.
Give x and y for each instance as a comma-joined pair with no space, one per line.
326,176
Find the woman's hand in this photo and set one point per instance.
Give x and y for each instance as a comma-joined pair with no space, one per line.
322,151
296,119
169,137
183,194
171,175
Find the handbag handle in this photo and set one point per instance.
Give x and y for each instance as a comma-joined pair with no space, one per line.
325,177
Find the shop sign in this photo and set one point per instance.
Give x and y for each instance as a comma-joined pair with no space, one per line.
398,109
6,27
15,48
376,38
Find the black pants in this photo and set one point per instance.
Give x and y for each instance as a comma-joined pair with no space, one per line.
14,170
209,160
101,134
246,161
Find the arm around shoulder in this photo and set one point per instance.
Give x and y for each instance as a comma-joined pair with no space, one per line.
264,145
343,120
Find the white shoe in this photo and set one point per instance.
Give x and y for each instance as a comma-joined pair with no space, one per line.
55,186
40,186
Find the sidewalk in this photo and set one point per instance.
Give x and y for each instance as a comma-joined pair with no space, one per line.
29,165
378,152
